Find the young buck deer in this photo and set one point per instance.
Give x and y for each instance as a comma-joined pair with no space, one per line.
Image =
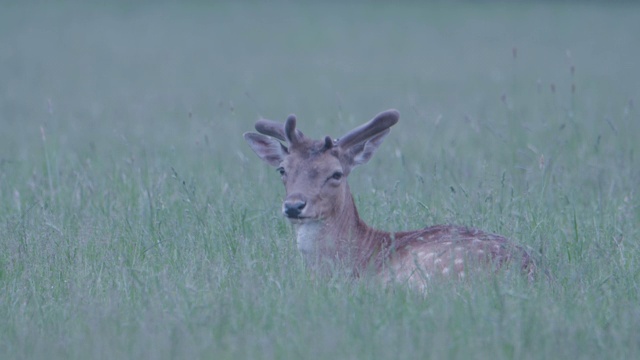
329,230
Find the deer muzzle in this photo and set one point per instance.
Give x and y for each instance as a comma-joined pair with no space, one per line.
293,206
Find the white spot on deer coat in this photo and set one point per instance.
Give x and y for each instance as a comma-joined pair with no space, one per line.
426,256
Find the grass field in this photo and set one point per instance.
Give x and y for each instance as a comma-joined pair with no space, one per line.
136,223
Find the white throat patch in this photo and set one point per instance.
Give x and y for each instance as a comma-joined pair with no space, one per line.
308,234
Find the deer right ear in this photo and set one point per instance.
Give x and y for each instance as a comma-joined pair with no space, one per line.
267,148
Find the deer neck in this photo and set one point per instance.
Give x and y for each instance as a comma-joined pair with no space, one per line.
343,238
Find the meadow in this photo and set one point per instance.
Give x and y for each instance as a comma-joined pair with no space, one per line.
135,222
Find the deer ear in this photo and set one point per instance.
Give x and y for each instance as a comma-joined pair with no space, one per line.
267,148
361,153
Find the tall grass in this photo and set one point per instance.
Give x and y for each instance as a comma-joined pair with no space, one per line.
135,223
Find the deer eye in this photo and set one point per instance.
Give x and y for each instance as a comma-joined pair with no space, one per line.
281,171
337,175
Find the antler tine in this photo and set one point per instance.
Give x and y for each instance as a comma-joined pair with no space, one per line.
276,129
290,129
271,128
328,143
378,124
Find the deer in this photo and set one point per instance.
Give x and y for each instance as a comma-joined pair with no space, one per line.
329,231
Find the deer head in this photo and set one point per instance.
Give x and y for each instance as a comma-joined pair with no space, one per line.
314,172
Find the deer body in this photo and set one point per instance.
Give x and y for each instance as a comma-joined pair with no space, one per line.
328,228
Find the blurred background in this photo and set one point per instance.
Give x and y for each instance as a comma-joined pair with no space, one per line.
168,73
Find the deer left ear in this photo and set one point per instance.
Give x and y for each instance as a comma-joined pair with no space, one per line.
267,148
361,153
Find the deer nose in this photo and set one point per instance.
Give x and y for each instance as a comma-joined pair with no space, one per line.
293,208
